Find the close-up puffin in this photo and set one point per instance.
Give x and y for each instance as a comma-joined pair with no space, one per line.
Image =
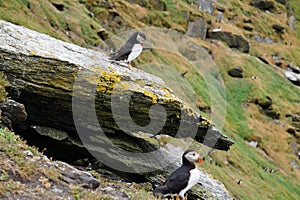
130,50
182,179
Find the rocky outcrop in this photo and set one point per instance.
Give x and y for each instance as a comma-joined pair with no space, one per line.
83,96
267,107
12,113
232,40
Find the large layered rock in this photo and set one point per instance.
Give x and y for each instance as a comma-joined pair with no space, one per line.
83,96
74,96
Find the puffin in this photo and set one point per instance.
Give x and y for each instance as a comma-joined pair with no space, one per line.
183,178
130,50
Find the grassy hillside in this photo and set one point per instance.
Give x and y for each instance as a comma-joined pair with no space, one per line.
88,22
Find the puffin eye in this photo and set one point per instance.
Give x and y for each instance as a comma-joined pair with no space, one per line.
193,154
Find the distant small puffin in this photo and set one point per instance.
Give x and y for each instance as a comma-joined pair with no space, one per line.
130,50
182,179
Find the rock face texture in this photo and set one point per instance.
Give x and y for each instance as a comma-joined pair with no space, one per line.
80,97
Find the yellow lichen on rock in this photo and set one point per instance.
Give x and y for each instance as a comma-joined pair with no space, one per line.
106,82
148,93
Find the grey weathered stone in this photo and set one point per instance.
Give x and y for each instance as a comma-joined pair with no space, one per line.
71,175
291,22
206,5
51,132
197,28
259,38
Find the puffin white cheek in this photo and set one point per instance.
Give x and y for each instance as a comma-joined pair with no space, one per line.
189,158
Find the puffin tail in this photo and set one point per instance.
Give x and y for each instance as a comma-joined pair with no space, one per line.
161,191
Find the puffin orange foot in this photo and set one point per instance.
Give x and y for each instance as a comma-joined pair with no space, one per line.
130,66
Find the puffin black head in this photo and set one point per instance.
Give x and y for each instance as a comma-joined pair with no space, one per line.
137,37
141,38
189,157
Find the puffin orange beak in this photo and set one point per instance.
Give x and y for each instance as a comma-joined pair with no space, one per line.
201,160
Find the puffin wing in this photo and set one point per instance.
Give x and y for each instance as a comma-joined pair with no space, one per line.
123,52
178,180
175,183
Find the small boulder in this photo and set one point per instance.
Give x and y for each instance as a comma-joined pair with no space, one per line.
283,2
264,104
206,5
232,40
248,21
293,77
291,131
253,143
294,68
272,113
278,28
220,9
12,113
103,34
248,28
59,6
261,39
115,192
291,22
71,175
295,118
263,4
236,72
